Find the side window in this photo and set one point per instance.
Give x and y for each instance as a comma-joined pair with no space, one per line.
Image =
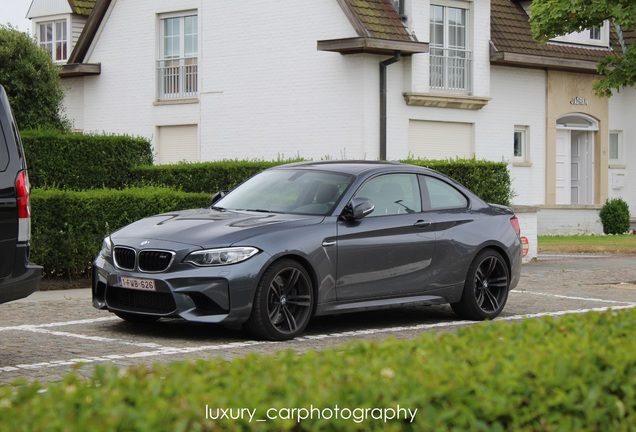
441,195
392,194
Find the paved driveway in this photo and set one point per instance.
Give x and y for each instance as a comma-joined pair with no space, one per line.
48,334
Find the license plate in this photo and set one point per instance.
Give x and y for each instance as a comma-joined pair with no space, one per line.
135,283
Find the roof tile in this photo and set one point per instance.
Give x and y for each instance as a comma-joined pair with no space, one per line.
379,19
82,7
510,32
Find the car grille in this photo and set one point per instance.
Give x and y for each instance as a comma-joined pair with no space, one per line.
150,261
154,261
125,258
140,301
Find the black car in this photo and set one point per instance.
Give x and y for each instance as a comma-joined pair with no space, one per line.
18,276
314,238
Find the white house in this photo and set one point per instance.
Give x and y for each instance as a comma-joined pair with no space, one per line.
364,79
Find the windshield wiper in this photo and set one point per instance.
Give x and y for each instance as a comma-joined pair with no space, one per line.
261,210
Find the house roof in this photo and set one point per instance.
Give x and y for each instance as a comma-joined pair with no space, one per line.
75,65
82,7
512,43
376,19
89,31
380,30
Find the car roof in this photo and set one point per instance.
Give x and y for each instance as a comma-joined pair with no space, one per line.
353,167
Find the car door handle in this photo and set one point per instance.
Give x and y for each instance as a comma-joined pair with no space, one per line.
422,224
326,243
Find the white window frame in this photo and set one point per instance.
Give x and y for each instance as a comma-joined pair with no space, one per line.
453,57
177,75
59,38
620,149
523,132
588,36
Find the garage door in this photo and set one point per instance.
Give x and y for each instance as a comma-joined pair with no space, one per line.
177,144
440,140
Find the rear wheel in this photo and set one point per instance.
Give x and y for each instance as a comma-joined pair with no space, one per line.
486,288
283,302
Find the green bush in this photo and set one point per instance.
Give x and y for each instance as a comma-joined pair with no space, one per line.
489,180
573,373
208,177
68,226
32,81
615,216
80,162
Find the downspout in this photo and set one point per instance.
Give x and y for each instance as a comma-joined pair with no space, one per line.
621,38
383,123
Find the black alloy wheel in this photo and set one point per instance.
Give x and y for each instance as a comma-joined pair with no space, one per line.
486,288
283,302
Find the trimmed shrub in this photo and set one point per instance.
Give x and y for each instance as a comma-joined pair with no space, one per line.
573,373
80,162
489,180
615,216
208,177
68,226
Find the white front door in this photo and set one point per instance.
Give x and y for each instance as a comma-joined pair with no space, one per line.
582,160
574,167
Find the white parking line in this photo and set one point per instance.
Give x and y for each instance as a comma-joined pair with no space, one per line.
167,351
58,324
43,328
572,298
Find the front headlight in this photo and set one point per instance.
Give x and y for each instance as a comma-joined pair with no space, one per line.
219,257
107,248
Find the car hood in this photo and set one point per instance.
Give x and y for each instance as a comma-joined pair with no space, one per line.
209,227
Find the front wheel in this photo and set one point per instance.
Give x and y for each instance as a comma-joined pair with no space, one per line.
486,288
283,302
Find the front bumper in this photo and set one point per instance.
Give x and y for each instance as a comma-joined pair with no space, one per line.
221,294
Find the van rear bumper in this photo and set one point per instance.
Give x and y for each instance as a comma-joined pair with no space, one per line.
17,287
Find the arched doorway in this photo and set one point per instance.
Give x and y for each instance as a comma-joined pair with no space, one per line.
575,159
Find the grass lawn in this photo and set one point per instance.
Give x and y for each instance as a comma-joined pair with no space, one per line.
623,244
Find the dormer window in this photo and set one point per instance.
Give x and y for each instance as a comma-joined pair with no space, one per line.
595,33
595,36
52,36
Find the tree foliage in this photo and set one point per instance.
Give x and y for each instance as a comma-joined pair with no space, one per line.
551,18
31,80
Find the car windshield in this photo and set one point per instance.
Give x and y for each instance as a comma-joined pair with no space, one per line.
288,191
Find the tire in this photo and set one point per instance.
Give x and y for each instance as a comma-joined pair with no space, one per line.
486,288
136,318
283,302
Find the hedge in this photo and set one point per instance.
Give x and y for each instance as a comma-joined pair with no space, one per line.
68,226
489,180
573,373
209,177
79,162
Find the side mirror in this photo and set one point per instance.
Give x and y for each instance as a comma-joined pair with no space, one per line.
358,208
217,196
